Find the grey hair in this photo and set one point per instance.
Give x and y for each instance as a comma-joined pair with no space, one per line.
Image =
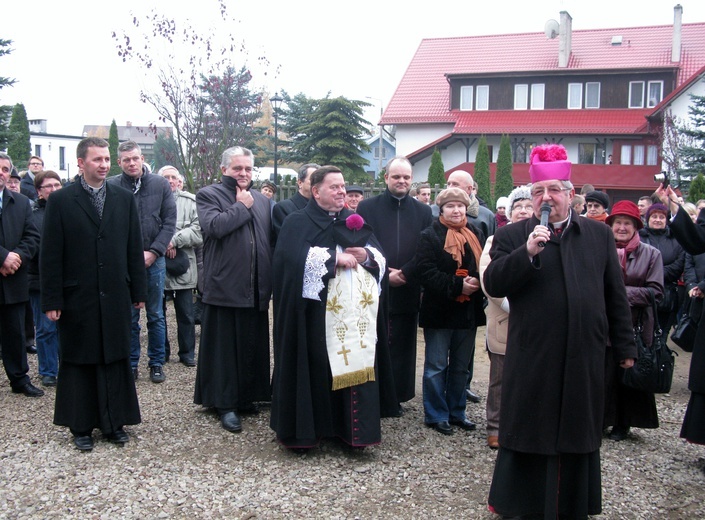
6,157
303,171
170,167
519,193
234,151
567,185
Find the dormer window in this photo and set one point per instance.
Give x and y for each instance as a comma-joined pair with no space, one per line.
466,93
636,94
655,93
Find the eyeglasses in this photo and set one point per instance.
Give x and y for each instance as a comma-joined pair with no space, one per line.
525,207
552,191
54,186
36,164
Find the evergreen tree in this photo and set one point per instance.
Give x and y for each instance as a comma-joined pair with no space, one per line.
504,182
482,172
335,135
5,110
694,155
436,172
113,143
19,146
697,189
298,113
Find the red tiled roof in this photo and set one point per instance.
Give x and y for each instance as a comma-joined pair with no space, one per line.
423,92
604,122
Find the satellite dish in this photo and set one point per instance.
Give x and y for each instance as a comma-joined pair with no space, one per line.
551,29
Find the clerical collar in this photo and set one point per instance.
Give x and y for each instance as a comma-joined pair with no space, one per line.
558,226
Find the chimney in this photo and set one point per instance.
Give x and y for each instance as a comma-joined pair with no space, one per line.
565,39
677,33
129,124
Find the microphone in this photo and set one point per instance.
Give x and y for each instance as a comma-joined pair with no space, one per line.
545,212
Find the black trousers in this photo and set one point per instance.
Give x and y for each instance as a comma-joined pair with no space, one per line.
12,335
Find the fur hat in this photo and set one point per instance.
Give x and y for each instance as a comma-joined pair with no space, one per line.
519,193
549,162
625,208
452,195
597,196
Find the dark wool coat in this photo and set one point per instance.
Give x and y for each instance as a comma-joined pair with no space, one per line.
436,268
672,253
236,247
692,237
92,270
19,235
566,306
397,225
284,208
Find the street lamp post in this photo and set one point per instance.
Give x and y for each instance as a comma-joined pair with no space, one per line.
276,102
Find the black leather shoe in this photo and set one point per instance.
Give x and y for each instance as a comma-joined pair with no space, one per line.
619,433
48,381
119,436
231,422
189,362
83,442
29,390
31,349
472,396
441,427
466,425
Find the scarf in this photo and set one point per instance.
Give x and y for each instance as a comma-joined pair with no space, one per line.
97,195
456,238
501,220
599,218
474,207
624,249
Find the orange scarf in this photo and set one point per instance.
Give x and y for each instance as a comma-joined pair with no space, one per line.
456,238
599,218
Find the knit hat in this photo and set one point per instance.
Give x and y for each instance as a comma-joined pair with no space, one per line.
452,195
656,208
519,193
502,202
549,162
269,184
625,208
597,196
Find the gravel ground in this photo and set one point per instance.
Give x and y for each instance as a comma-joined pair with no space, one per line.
181,463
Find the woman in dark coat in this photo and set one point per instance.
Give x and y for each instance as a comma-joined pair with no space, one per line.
657,233
448,257
643,276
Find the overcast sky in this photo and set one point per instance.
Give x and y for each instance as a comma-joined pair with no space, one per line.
68,71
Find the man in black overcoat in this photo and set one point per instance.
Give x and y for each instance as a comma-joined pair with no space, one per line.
92,274
397,220
19,239
567,298
286,207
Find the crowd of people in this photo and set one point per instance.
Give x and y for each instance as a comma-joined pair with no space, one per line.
349,281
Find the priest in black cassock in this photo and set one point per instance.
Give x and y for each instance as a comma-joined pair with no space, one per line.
327,271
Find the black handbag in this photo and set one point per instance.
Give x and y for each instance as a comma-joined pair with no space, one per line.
653,370
684,332
669,302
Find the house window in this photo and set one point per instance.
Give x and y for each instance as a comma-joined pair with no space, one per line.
62,157
575,95
655,93
38,150
466,97
521,152
638,155
636,94
586,153
626,155
376,152
483,97
652,155
537,95
592,95
521,97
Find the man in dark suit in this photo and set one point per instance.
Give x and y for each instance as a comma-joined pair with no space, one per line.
298,201
19,239
92,273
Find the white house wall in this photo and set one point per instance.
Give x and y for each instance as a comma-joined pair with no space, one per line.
679,106
50,146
